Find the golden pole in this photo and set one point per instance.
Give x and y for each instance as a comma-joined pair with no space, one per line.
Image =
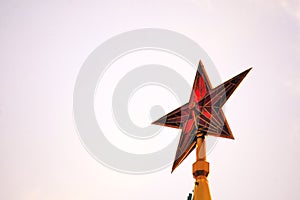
201,171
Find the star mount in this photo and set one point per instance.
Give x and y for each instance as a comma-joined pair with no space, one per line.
203,114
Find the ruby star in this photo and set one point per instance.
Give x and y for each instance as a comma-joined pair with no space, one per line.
203,114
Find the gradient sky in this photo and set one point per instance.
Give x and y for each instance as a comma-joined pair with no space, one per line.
43,45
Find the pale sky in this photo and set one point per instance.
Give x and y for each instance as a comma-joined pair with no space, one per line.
44,44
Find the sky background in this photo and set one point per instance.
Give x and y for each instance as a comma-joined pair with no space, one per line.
44,44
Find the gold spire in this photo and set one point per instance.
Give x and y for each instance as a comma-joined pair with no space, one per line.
201,171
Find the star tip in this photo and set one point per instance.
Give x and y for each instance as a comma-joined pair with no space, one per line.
154,123
231,137
173,168
248,70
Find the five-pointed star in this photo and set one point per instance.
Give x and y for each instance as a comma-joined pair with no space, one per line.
202,114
